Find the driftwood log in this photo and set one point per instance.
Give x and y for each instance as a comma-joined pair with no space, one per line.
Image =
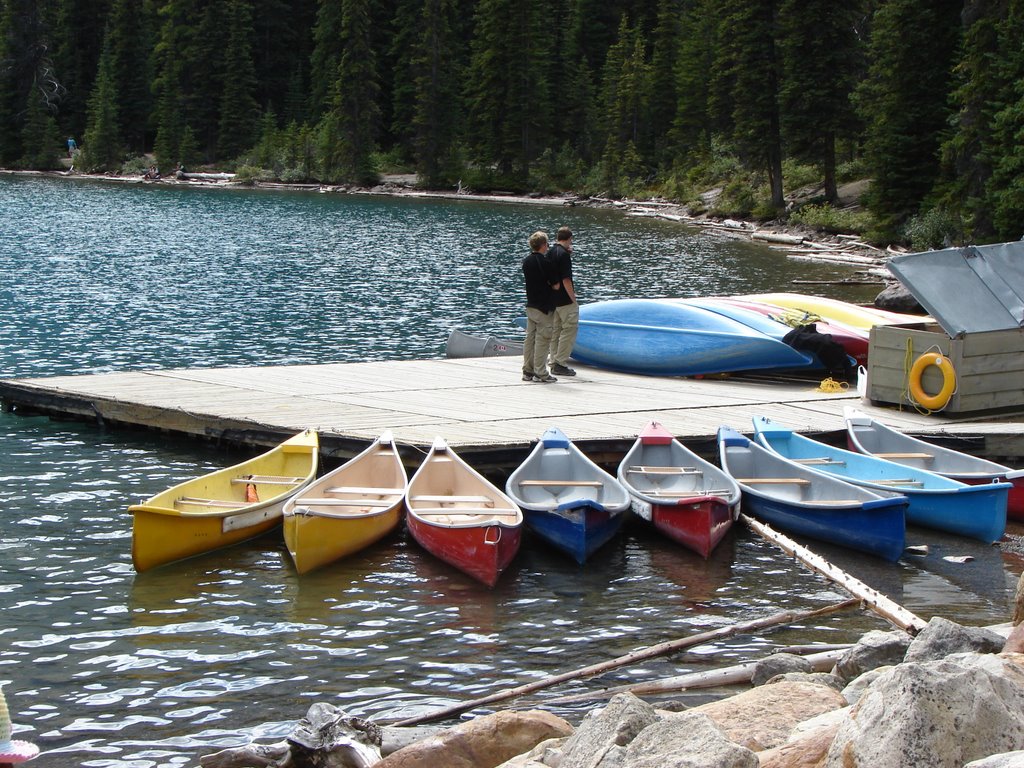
661,649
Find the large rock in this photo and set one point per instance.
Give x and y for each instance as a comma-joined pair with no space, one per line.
942,638
779,664
896,298
1004,760
483,742
807,746
686,740
547,754
600,740
939,714
873,650
764,717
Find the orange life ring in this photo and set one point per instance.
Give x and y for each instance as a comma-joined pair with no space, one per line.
938,400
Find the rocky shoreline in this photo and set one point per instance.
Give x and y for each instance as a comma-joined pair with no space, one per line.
949,697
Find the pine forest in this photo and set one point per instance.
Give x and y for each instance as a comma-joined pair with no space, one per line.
669,98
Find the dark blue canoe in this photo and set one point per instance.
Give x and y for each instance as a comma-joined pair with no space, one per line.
794,499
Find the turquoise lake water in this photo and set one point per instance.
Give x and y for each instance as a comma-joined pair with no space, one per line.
105,668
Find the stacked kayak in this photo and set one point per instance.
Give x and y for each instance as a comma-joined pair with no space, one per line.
668,337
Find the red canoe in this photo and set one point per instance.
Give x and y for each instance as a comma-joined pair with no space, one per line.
460,517
688,499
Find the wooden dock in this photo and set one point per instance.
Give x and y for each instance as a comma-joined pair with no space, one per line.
479,405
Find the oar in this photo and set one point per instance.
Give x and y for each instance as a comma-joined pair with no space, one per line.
888,609
670,646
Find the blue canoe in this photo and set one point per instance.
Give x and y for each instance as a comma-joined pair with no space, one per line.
567,499
976,511
794,499
668,337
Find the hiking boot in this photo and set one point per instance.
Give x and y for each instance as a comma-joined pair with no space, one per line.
562,370
545,379
527,375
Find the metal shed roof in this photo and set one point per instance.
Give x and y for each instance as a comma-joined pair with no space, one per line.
967,290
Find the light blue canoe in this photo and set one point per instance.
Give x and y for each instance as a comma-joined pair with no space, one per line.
976,511
666,337
790,497
567,499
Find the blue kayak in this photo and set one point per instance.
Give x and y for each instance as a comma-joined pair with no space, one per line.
794,499
667,337
975,511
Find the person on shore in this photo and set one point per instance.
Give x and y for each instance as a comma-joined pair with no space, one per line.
567,309
72,146
541,283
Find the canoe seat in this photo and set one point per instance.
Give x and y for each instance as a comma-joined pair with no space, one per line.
192,501
665,470
773,480
363,491
906,455
900,481
486,511
567,483
836,502
440,499
267,480
821,460
333,502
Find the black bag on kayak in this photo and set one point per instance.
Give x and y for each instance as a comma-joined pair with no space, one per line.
829,351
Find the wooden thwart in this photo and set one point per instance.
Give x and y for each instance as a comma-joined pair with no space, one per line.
267,480
773,480
905,455
333,502
900,481
665,470
442,499
196,502
824,460
364,491
454,511
567,483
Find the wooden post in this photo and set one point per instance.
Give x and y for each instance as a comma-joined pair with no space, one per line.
888,609
670,646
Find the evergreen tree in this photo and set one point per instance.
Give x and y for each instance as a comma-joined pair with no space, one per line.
747,65
238,108
130,40
663,99
172,79
819,53
102,143
624,98
326,56
436,116
1005,188
692,124
507,89
77,37
983,76
349,128
40,137
904,102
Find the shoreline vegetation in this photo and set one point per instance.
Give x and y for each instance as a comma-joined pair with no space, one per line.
798,242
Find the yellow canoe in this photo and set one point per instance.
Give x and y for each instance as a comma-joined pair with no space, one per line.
347,509
852,315
224,507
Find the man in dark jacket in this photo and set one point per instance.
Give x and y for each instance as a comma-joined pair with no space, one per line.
541,283
567,310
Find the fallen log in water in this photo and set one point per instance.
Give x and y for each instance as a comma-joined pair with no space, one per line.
888,609
736,674
787,617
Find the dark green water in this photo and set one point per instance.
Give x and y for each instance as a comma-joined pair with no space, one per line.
106,668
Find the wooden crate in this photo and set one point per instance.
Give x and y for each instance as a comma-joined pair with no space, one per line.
989,366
